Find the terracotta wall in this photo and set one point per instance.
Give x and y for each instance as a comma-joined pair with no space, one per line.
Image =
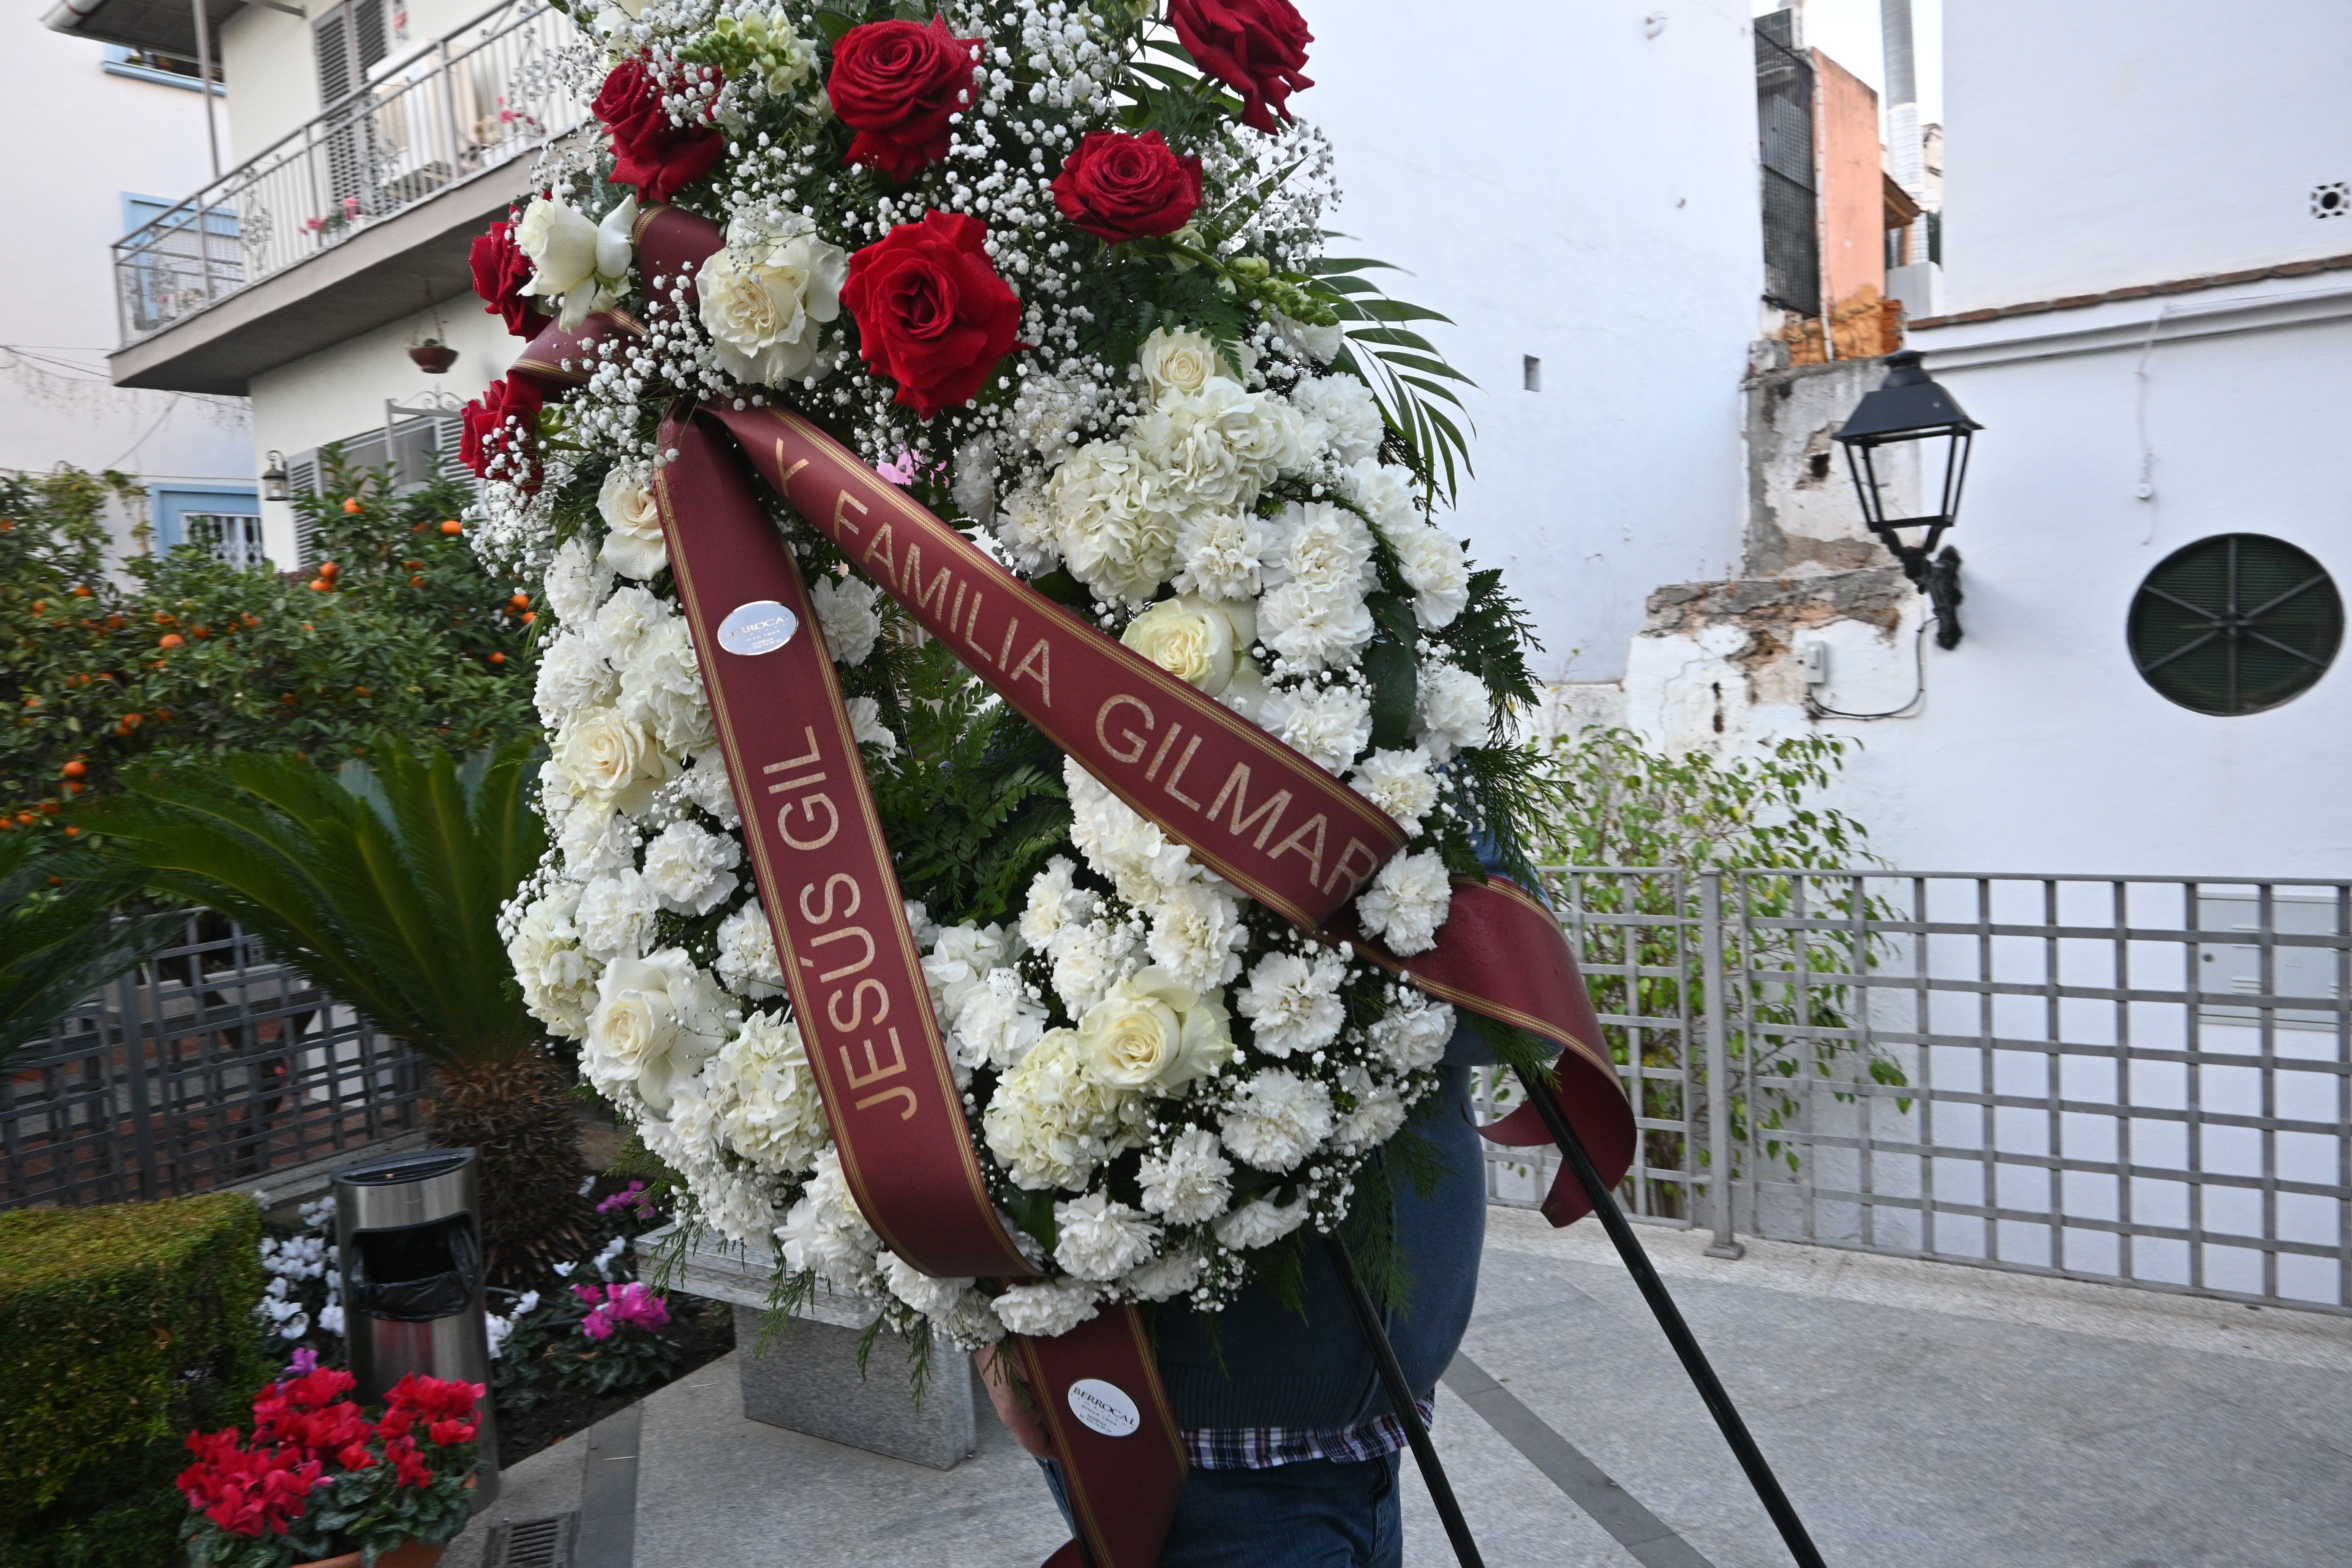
1854,222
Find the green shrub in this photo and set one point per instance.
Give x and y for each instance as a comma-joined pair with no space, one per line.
127,1327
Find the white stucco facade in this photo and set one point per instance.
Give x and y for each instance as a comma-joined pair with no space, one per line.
107,137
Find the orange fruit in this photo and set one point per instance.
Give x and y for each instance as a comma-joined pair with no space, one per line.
521,601
76,768
73,833
498,658
352,504
328,568
453,527
170,640
418,581
132,721
320,585
82,591
529,616
361,691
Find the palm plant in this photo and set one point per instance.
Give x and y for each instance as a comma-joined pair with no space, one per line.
383,883
59,937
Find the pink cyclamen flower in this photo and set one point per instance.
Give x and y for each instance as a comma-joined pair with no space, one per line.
638,1307
304,1362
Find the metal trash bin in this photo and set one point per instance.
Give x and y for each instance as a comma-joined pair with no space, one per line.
411,1249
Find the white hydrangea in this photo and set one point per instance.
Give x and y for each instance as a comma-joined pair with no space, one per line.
691,869
661,688
747,954
770,1111
846,613
1341,415
1407,901
1452,710
1197,935
1211,447
557,980
1399,783
1261,1222
1293,1002
1190,1181
1330,724
1051,1122
1097,1238
1049,1308
1414,1033
1276,1119
616,914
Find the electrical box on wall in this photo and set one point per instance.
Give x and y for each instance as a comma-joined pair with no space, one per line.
1813,659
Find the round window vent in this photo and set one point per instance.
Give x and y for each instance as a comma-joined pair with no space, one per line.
2236,624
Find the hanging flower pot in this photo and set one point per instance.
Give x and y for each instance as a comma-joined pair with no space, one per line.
433,357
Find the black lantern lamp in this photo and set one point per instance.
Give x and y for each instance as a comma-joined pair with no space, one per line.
273,479
1909,406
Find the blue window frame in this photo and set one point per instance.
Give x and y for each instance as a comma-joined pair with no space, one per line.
171,504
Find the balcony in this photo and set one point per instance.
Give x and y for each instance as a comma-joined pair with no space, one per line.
356,220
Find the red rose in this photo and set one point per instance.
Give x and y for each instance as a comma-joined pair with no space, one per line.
1255,46
1125,187
488,435
931,312
501,271
895,83
659,158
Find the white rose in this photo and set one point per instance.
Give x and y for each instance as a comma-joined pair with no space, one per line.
1452,710
1178,362
633,540
1407,903
561,241
765,299
1097,1238
1399,783
1193,639
612,760
1293,1002
1433,563
1152,1031
657,1020
692,870
1276,1119
844,610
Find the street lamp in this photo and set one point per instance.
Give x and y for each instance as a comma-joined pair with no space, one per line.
273,479
1909,406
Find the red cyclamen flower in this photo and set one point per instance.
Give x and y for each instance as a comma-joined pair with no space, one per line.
649,151
1255,46
932,314
1120,187
500,272
896,84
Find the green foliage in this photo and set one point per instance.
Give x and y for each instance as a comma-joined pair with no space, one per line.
1406,371
1626,805
59,940
383,883
192,658
126,1327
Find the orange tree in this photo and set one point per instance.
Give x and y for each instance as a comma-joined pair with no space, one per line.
182,658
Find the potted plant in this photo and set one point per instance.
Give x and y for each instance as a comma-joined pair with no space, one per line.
433,356
319,1483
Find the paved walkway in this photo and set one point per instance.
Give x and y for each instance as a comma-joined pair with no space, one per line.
1925,1415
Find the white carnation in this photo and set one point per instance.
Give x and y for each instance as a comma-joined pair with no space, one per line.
1190,1181
1055,902
661,688
572,675
1379,1112
1452,710
867,728
1025,527
616,915
707,786
1399,783
1330,724
996,1022
1386,495
747,954
1341,415
926,1293
1320,344
1293,1002
575,582
557,980
1163,1278
844,610
628,615
634,545
1095,1238
765,299
1197,935
596,841
1433,564
1224,555
824,1233
1052,1307
1276,1119
1329,546
1407,901
1414,1034
692,870
1261,1222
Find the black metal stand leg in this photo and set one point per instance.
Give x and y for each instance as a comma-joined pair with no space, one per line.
1424,1452
1670,1319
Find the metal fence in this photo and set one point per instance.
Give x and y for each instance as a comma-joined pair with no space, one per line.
2141,1081
209,1066
486,94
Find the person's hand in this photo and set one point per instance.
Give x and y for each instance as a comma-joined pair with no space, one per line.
1011,1405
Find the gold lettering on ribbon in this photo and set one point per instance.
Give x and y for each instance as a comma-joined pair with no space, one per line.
876,1072
1174,779
844,935
939,588
1349,867
809,802
1040,657
841,510
855,898
1297,840
808,761
882,546
1237,789
1102,720
857,1018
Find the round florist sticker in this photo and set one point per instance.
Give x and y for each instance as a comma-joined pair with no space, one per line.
1104,1407
761,626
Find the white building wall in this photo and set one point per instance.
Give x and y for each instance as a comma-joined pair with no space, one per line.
2096,146
57,315
1563,186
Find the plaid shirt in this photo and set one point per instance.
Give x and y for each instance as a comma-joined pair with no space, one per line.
1264,1447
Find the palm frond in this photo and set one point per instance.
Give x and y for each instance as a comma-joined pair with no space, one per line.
60,939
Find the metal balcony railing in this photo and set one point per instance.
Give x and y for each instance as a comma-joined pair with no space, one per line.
488,93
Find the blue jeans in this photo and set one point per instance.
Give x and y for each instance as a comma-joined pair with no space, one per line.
1312,1515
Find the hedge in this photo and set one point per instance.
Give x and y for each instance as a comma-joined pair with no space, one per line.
127,1327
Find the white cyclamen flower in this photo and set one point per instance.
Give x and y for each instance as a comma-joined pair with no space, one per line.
747,954
657,1020
1095,1238
1261,1222
1194,641
692,870
1452,710
1407,901
1190,1181
845,609
633,538
1293,1002
1047,1309
1276,1119
765,299
1399,783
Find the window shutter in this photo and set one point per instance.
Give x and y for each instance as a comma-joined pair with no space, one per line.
302,479
333,38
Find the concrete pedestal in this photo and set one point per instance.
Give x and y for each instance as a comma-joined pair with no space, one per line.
800,1371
